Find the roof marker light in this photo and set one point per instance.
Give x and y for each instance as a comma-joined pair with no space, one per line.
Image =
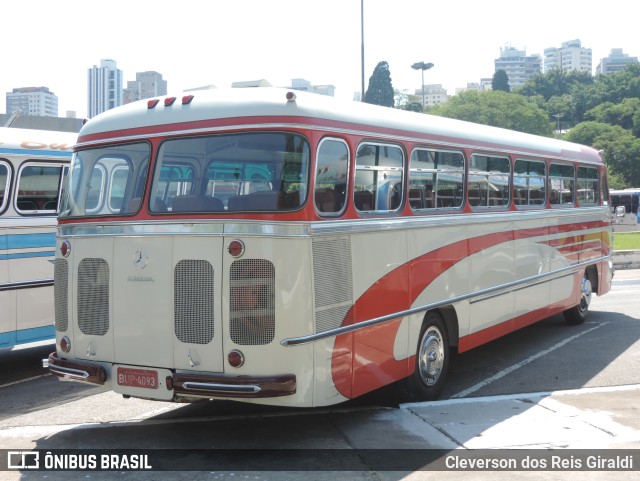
291,97
152,103
169,101
187,99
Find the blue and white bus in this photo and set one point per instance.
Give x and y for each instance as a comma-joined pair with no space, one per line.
32,166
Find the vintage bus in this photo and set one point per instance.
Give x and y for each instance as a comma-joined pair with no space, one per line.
32,165
287,248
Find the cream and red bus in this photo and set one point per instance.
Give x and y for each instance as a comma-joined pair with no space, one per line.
32,166
287,248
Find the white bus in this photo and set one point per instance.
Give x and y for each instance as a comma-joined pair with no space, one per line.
289,248
32,165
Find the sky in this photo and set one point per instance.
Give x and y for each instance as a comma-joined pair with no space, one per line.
193,43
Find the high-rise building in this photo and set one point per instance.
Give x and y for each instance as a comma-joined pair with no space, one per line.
571,56
146,85
105,87
434,94
517,65
36,101
615,62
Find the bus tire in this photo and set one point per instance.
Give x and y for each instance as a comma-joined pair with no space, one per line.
577,314
431,363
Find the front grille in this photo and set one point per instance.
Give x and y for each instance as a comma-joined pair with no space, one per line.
93,296
252,302
193,301
61,294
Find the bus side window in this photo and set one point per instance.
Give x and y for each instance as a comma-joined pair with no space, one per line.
332,171
379,169
561,184
4,185
38,188
435,179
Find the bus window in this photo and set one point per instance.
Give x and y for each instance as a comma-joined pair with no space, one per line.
4,185
529,181
489,181
38,188
96,191
232,173
588,186
332,172
561,184
121,169
436,179
378,184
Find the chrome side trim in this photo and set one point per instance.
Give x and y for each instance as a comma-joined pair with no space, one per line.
26,284
225,226
221,388
485,293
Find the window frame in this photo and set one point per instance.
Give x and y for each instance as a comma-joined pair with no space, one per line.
342,209
515,174
437,172
488,174
379,168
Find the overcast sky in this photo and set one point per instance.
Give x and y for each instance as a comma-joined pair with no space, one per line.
200,42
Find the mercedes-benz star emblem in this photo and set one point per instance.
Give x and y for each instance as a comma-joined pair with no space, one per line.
140,259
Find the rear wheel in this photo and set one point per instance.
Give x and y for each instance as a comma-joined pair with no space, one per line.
432,361
577,314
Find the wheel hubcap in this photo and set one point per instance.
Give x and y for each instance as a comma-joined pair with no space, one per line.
585,298
431,357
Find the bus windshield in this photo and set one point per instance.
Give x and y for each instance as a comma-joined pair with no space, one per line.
106,181
231,173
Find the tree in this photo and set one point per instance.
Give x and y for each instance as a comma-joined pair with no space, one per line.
620,148
496,108
380,90
500,81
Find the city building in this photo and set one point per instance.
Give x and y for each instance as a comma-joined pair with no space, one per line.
250,83
146,85
615,62
34,101
104,87
571,56
433,94
306,86
518,66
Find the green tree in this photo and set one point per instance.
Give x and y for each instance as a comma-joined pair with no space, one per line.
619,147
626,114
496,108
380,90
500,81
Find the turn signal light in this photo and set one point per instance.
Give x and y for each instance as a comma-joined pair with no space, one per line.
235,358
65,344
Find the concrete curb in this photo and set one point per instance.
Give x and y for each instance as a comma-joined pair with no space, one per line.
626,259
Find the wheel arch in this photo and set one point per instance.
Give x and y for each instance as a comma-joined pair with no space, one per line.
450,317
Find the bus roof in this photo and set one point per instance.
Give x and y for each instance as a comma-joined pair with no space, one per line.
200,111
36,142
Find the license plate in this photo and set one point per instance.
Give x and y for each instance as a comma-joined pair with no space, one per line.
145,378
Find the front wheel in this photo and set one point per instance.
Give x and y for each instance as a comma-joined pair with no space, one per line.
432,361
577,314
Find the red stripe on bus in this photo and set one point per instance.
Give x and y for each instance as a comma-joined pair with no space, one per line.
369,351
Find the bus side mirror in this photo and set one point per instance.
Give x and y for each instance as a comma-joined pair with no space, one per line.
619,214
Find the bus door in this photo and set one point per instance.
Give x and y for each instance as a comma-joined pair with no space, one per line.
196,310
8,316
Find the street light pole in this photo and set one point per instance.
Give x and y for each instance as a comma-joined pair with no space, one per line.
362,48
422,67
